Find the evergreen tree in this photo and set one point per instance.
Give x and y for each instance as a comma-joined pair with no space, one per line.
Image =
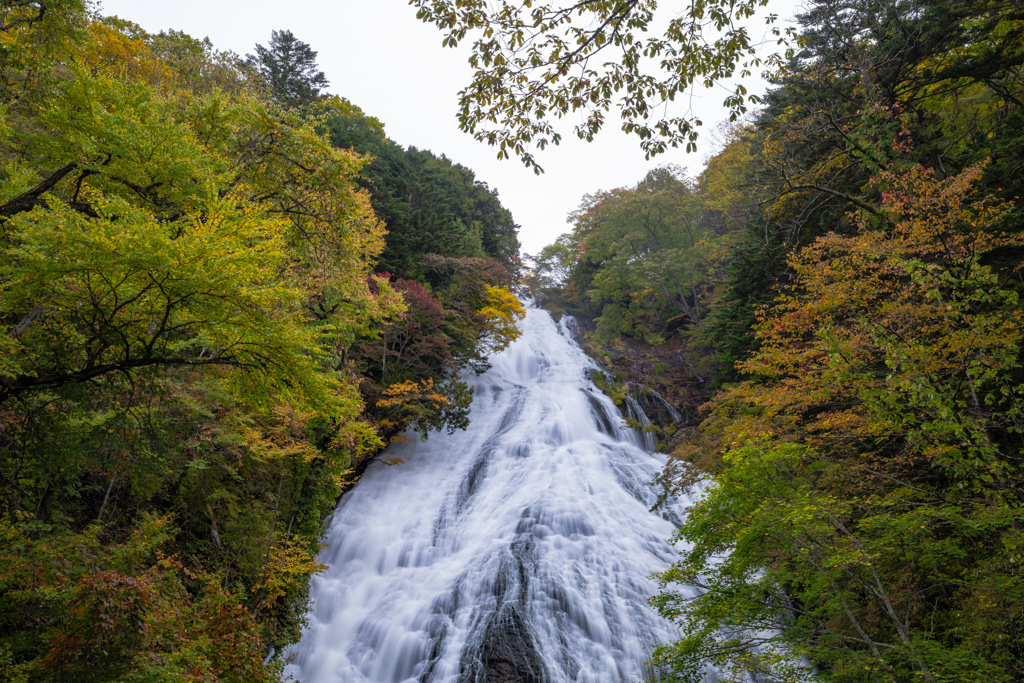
289,66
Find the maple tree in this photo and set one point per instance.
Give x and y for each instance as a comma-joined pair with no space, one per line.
884,405
184,267
424,406
197,279
411,363
539,61
409,368
481,311
501,314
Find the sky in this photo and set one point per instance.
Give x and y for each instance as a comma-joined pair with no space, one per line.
380,57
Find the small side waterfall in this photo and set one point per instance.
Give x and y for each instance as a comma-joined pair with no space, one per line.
634,410
517,550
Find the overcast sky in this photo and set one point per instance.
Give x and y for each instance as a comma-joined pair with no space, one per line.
379,56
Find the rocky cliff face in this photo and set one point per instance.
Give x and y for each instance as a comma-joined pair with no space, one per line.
667,381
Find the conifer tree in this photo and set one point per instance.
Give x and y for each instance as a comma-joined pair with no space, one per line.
289,67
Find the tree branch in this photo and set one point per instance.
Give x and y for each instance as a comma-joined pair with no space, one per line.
30,199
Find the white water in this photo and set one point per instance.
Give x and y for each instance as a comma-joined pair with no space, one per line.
533,525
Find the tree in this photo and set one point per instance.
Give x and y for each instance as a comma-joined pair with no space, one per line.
657,253
481,311
197,65
410,363
16,15
155,243
867,477
32,34
183,267
430,204
554,263
501,315
537,61
123,613
289,66
409,378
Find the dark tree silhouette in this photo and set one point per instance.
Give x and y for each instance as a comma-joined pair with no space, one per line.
289,66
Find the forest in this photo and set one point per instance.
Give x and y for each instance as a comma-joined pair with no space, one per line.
845,274
223,291
207,333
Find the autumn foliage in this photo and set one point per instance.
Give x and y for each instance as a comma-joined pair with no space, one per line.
855,484
411,364
868,486
196,354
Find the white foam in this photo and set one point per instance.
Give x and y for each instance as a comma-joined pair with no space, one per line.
534,509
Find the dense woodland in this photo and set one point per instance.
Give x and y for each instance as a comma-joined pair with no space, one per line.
848,265
222,292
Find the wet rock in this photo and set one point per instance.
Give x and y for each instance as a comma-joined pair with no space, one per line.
507,654
655,407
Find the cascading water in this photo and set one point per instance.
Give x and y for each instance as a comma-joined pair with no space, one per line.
634,410
517,550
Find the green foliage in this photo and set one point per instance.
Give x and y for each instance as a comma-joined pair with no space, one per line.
289,67
793,570
554,263
752,277
429,204
100,611
35,32
537,61
867,495
151,257
646,260
614,388
185,267
862,503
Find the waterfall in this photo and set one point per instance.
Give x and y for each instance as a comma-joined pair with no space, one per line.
517,550
634,410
